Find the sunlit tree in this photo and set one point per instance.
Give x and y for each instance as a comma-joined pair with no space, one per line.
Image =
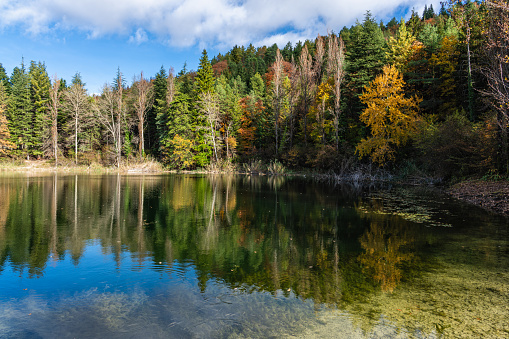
390,116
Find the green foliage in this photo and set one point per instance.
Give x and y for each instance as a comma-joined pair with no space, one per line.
458,147
39,87
204,81
19,111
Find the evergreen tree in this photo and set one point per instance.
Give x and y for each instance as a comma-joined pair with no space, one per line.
365,57
40,87
204,80
204,83
19,111
4,78
156,112
176,139
5,135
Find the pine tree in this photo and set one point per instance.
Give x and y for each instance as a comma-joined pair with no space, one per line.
41,124
19,111
365,57
4,78
204,83
156,113
5,135
204,80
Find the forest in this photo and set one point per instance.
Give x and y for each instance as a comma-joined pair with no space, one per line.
423,97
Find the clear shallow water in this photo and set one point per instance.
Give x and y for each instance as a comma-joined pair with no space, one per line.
209,256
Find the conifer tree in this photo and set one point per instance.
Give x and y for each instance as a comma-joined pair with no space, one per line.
204,80
39,86
204,83
5,135
156,114
4,78
19,111
365,57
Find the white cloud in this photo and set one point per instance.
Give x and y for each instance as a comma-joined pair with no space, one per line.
203,22
139,37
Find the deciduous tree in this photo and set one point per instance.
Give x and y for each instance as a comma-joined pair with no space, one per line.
391,117
143,96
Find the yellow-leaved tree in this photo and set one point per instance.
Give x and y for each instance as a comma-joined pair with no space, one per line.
391,117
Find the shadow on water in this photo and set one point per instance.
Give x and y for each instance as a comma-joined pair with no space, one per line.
249,256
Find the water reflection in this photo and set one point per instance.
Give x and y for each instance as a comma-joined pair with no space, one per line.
385,248
276,236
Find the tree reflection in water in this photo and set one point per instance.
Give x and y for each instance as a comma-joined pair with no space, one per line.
284,236
385,248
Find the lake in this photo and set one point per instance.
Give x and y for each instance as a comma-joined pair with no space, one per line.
202,256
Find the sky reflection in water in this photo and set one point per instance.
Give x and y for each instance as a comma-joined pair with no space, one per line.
222,256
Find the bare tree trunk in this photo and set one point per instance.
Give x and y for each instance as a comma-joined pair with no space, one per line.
209,106
336,68
306,83
77,99
54,95
143,101
278,93
497,71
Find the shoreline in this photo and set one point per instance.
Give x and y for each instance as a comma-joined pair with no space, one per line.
490,195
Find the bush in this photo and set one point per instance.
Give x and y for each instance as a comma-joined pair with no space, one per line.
457,147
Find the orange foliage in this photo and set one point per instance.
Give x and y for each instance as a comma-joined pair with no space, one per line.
288,70
219,68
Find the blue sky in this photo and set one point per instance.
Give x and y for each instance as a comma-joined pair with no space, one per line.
95,37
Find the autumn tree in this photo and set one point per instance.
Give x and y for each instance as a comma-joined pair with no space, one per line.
400,48
446,62
390,116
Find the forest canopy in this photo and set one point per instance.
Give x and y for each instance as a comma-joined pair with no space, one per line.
428,93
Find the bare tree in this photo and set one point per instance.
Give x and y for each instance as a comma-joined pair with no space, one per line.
170,87
143,101
209,106
77,100
277,92
319,59
54,104
109,112
306,85
336,69
497,71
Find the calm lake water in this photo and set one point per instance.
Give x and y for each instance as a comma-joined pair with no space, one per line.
186,256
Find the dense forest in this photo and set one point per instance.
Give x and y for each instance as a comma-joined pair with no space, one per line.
429,95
